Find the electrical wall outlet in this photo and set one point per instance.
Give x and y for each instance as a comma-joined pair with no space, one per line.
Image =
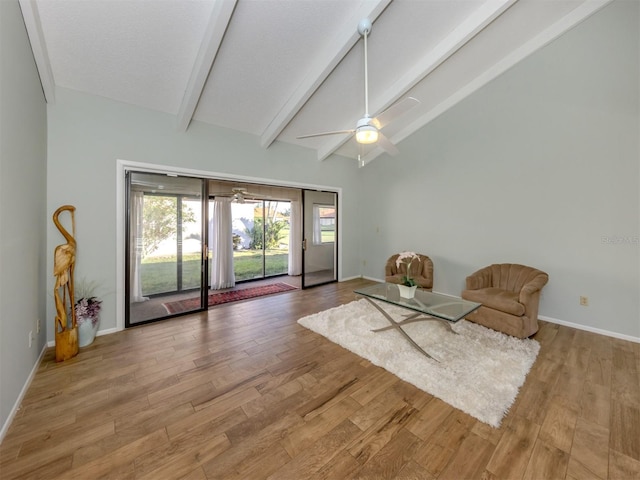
38,326
584,301
30,338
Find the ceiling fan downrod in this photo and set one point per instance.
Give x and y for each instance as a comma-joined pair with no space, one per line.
366,133
364,29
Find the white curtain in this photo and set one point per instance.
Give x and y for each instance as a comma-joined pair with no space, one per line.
317,226
221,244
295,235
135,245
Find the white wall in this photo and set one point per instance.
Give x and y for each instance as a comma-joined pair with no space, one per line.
23,156
540,167
88,134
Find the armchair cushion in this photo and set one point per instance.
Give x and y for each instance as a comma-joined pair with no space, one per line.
422,274
497,298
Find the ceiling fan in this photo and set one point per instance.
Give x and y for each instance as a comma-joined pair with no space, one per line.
241,195
368,129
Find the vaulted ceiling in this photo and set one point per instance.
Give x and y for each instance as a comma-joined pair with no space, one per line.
279,69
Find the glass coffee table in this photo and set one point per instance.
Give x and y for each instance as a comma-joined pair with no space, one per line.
426,306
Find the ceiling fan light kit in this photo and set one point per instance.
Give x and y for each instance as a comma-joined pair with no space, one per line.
367,134
367,131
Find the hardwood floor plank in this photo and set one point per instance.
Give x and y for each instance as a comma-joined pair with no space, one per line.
263,465
249,445
301,438
595,404
577,471
319,452
513,453
242,391
271,398
35,453
558,427
472,456
533,401
48,470
195,474
452,432
413,471
625,425
180,459
430,418
546,462
382,382
152,418
365,417
227,407
590,447
625,383
433,457
388,462
120,460
343,465
376,437
623,467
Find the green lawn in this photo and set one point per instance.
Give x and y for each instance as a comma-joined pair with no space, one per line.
158,274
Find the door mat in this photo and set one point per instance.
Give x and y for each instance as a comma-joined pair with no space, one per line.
227,297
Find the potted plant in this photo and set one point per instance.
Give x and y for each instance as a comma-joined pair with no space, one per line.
408,286
87,309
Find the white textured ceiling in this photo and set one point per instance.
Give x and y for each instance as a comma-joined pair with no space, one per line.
279,69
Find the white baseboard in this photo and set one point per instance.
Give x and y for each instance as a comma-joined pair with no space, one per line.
586,328
99,333
25,387
346,279
370,278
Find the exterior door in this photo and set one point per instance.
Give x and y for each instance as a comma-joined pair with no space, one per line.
320,235
165,248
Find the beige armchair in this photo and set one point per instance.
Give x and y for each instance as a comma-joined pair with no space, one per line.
422,274
510,294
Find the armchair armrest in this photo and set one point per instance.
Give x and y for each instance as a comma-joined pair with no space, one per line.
479,279
533,286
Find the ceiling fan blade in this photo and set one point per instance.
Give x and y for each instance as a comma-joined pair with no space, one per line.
394,111
385,144
322,134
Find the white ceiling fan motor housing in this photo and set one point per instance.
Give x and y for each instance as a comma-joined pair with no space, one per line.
364,26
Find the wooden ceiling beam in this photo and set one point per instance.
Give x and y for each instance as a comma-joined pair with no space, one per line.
216,28
327,61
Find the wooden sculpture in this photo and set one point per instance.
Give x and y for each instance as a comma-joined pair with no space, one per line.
63,265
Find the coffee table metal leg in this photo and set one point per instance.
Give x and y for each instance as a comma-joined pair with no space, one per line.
420,317
397,326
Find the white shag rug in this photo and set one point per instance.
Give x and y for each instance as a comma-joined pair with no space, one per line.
480,371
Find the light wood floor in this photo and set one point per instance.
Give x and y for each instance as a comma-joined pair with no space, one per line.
242,391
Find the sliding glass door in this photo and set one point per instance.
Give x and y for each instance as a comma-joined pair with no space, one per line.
320,259
260,232
166,267
187,238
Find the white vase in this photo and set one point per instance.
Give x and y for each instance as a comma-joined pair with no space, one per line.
86,331
407,292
